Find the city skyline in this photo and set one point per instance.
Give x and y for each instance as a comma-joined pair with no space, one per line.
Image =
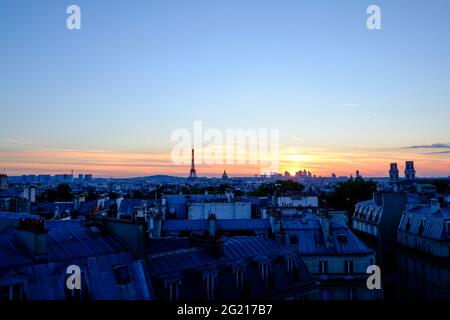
111,168
105,99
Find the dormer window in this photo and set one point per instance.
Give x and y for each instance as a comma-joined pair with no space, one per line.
122,275
421,227
408,225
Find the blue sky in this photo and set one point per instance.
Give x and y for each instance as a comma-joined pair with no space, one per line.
137,70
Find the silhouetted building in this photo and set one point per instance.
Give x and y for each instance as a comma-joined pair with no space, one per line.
118,260
224,176
410,172
423,257
3,182
336,258
393,174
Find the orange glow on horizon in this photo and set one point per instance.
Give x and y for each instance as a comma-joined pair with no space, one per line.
321,162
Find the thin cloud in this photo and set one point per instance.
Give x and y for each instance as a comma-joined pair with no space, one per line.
430,146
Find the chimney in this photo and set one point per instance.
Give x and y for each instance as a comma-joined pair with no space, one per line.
410,172
378,198
212,245
156,226
275,221
434,205
34,235
393,173
212,225
133,233
326,231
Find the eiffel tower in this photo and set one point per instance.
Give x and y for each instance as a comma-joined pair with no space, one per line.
193,172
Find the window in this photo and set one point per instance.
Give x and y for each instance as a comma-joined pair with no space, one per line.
210,286
292,269
239,278
122,275
172,290
348,266
323,267
264,271
352,294
12,293
293,240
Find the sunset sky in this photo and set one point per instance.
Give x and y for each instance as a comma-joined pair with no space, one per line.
106,99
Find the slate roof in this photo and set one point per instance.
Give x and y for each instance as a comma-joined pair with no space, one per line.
236,248
127,206
69,243
6,215
310,238
90,206
201,225
11,219
176,199
434,224
50,207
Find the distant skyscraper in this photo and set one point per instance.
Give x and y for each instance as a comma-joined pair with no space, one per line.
410,172
357,174
193,172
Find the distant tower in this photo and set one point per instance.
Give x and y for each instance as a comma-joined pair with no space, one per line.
224,176
193,172
410,172
357,174
393,173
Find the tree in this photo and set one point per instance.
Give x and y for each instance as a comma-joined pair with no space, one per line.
442,185
285,187
346,194
62,192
